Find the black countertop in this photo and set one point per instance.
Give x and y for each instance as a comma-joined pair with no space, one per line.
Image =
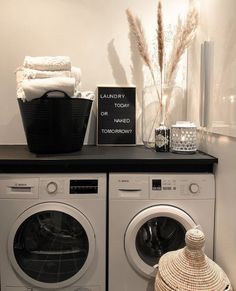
18,159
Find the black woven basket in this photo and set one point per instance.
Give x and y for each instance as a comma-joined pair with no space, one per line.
56,124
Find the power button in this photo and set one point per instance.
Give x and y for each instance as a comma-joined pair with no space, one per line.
194,188
51,187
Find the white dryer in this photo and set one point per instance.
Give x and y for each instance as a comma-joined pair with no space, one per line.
53,232
149,215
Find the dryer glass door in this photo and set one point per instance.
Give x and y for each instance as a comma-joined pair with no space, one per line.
51,245
153,232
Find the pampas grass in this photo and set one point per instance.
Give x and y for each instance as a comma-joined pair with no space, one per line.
160,37
137,29
183,37
182,40
160,46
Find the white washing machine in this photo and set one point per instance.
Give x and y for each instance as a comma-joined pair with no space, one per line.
149,215
53,232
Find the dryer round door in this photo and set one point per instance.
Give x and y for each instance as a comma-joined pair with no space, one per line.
153,232
51,245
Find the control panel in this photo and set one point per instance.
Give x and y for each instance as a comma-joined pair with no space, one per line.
164,184
53,186
161,186
61,187
182,186
84,186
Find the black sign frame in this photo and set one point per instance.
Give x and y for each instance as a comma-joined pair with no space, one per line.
116,115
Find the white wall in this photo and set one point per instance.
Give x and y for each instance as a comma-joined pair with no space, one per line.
217,23
225,228
94,33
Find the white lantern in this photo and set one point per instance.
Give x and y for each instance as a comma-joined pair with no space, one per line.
184,137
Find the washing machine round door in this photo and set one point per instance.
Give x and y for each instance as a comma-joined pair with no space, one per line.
153,232
51,245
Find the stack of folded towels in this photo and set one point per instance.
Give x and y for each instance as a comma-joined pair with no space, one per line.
39,75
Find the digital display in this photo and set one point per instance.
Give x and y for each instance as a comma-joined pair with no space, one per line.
156,184
83,186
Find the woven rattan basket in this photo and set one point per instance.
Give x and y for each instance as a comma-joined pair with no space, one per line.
189,269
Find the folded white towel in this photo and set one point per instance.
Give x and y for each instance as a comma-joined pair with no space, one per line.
36,88
25,73
36,74
76,73
19,77
85,95
20,93
58,63
88,95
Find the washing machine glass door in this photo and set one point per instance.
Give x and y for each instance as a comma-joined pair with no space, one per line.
51,245
153,232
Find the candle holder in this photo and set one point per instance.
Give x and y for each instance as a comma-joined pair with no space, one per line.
184,137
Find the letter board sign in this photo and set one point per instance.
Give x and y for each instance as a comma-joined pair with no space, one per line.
116,116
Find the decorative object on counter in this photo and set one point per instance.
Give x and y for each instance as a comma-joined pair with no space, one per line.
162,139
116,116
184,137
161,97
54,111
189,269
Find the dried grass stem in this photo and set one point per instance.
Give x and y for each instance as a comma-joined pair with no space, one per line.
137,29
183,37
160,46
160,36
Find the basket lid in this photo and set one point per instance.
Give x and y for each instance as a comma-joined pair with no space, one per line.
190,269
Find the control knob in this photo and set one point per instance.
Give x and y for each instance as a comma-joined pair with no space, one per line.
51,187
194,188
